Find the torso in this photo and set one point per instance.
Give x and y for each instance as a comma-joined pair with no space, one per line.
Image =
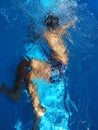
55,41
40,69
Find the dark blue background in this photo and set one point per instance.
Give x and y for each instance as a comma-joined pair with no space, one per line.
11,49
93,76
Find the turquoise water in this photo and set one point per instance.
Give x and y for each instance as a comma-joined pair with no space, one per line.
69,99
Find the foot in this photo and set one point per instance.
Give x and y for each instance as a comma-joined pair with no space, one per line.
3,87
16,96
10,93
41,111
38,116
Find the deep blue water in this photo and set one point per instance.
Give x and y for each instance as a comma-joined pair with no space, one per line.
80,88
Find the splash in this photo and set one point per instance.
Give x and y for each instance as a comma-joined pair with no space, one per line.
83,37
18,125
22,11
52,97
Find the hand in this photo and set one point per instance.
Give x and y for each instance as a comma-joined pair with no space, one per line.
72,23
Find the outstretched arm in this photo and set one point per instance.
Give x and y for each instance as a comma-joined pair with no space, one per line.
63,28
69,25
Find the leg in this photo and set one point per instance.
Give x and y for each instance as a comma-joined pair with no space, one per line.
10,92
38,109
21,77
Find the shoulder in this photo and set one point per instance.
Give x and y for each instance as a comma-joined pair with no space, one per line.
61,30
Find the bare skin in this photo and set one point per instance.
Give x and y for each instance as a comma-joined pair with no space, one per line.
56,42
38,70
38,67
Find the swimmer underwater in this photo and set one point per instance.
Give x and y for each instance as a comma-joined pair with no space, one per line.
40,69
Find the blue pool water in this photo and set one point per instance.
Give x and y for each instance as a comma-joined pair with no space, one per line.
71,101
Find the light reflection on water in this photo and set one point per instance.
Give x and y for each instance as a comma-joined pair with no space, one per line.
52,95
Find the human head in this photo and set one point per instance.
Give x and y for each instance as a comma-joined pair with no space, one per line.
51,21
